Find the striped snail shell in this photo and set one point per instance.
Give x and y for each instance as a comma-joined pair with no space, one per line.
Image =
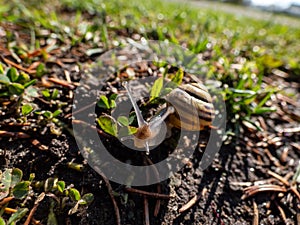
194,108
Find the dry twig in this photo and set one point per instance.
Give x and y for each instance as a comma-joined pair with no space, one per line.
158,201
155,171
255,220
146,211
63,83
92,127
110,192
193,201
12,124
249,191
285,182
146,193
39,145
189,204
32,211
10,210
11,63
6,200
4,133
282,213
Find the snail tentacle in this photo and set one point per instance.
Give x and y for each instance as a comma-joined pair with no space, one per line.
138,113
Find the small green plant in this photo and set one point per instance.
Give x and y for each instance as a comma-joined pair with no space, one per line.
107,103
48,114
64,196
50,95
50,120
246,98
161,87
14,83
17,87
13,189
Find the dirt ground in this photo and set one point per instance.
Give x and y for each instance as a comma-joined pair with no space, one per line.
244,161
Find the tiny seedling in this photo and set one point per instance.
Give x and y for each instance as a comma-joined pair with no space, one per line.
50,95
13,83
12,186
13,189
107,103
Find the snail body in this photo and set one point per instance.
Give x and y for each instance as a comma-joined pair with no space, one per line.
189,108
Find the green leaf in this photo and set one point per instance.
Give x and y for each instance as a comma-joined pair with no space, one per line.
1,69
50,183
55,94
4,79
127,131
31,92
23,78
56,113
26,109
40,70
264,100
271,62
156,88
86,199
21,189
167,90
112,104
2,222
16,88
132,130
4,94
177,79
5,183
242,92
131,118
12,74
19,214
103,102
51,220
46,93
296,177
74,194
31,177
113,97
123,120
108,125
262,110
16,177
30,83
61,186
48,114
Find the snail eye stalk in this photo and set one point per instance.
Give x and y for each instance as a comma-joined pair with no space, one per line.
144,131
138,113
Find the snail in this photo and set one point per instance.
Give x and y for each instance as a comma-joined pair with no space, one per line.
191,109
